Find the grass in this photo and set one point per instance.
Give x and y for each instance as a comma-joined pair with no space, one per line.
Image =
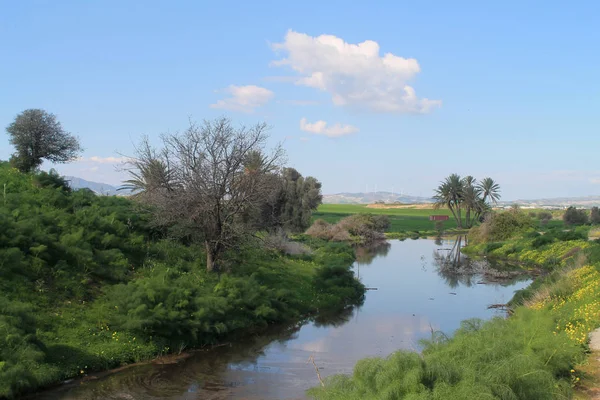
402,219
408,222
538,353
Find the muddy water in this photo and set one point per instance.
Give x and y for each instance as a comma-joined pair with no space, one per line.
417,290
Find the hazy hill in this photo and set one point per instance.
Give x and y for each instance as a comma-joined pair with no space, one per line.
372,197
586,201
96,187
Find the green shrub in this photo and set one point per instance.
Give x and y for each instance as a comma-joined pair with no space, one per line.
573,216
501,226
517,358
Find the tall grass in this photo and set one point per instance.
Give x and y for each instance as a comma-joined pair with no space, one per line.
508,359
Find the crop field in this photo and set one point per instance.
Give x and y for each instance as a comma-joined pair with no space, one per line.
402,219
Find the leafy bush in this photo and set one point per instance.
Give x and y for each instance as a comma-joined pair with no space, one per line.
86,284
573,216
595,216
542,240
360,228
516,358
544,216
501,226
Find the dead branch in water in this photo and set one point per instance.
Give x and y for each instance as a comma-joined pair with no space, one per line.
312,359
500,306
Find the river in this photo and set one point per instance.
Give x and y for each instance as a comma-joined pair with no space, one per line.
417,290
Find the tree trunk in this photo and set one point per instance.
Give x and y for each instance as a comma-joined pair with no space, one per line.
459,219
468,217
453,213
210,259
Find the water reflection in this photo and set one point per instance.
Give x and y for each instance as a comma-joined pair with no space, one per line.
419,288
366,254
457,269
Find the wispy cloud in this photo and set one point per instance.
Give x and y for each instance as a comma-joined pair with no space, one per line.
320,128
244,98
107,160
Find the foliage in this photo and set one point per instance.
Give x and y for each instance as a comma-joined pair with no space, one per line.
573,216
37,136
407,219
205,184
544,217
501,226
458,193
87,284
359,228
595,216
532,355
578,308
516,358
292,202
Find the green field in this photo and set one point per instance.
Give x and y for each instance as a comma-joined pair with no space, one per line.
402,219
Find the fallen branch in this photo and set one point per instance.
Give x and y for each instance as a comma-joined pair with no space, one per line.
312,359
501,306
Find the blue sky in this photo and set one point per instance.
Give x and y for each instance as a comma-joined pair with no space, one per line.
502,89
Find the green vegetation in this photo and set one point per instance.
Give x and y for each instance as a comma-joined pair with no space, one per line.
38,136
458,194
402,220
534,354
573,216
88,283
357,228
218,185
516,358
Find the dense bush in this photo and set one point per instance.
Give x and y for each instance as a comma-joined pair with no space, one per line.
544,217
359,228
516,358
86,284
573,216
595,216
501,226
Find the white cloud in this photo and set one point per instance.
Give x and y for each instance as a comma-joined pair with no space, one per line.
104,160
321,128
244,98
354,74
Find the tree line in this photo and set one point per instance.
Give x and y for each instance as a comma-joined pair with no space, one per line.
466,194
214,183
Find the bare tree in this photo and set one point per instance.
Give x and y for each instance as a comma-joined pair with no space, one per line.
200,183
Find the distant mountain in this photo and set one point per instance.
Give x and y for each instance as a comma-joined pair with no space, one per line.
373,197
98,188
558,202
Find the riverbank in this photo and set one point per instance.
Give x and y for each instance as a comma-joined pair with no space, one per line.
537,353
413,294
168,309
87,285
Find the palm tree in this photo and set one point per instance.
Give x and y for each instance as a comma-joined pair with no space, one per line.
147,177
471,199
450,194
490,190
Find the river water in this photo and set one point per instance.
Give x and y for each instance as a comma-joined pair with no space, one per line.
417,290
